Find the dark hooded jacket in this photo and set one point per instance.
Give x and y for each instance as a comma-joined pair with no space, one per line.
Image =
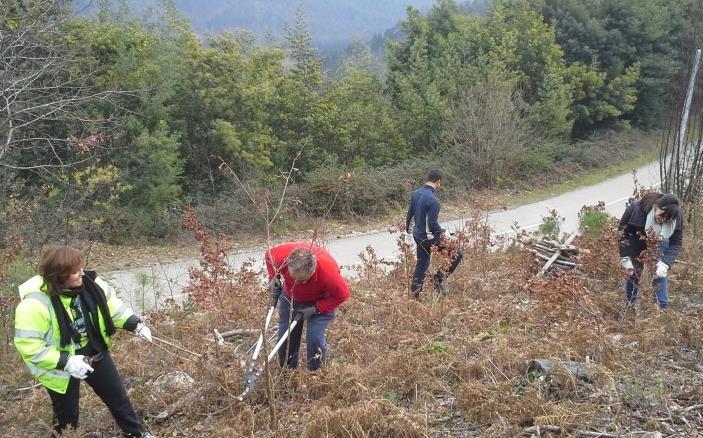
633,242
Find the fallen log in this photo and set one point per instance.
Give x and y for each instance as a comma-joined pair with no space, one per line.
240,332
182,402
547,257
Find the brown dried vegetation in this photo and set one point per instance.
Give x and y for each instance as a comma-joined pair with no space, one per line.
452,366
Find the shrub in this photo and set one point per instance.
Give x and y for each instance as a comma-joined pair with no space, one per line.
551,224
486,131
592,219
335,192
232,212
127,224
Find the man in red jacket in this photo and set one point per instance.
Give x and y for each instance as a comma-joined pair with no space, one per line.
313,284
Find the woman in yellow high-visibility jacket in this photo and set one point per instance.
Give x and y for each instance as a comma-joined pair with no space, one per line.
63,325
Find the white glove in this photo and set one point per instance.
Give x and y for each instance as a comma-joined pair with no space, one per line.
626,263
408,238
143,332
77,367
662,269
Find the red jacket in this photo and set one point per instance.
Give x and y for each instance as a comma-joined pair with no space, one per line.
326,287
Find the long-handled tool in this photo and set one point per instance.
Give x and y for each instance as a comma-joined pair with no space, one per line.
256,369
277,287
260,341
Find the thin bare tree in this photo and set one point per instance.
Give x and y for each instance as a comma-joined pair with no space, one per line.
486,131
681,152
52,113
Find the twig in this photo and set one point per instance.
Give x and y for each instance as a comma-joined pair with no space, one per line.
163,272
560,260
538,429
239,332
178,404
172,353
688,263
691,408
495,366
176,346
26,388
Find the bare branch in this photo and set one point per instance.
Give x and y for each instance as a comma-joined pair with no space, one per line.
44,84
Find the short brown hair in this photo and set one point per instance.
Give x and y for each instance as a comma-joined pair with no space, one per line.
57,263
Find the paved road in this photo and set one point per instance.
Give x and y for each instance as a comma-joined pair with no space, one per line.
142,286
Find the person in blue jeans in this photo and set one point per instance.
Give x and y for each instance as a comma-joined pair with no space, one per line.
428,234
311,289
315,343
655,213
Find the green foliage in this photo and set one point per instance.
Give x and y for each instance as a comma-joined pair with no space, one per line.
491,97
437,347
15,273
551,225
415,89
77,205
153,171
221,108
517,40
611,37
361,129
600,103
393,397
592,220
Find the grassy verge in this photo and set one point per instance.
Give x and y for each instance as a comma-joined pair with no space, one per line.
582,179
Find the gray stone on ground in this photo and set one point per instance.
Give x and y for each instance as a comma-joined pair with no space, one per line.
547,366
169,383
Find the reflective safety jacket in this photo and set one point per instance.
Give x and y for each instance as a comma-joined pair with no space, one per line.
37,335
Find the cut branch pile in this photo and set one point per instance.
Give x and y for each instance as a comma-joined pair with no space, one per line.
555,255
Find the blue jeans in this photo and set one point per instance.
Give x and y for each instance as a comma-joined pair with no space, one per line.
424,256
315,338
661,285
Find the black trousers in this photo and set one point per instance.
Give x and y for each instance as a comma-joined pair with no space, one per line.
107,384
424,255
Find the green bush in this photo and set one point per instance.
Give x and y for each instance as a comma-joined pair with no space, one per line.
335,192
592,219
234,214
17,271
126,225
551,225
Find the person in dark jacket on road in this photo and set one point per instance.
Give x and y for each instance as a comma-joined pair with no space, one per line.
662,215
428,234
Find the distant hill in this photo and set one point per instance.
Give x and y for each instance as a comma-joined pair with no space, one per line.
332,22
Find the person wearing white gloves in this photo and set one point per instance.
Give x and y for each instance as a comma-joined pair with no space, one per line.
63,326
662,215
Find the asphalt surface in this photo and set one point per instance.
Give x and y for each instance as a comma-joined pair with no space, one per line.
144,286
